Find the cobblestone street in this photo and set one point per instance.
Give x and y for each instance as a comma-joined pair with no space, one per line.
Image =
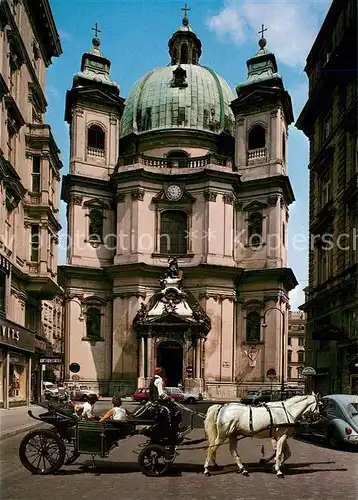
312,472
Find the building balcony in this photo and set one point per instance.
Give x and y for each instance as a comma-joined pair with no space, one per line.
187,163
256,154
96,152
41,281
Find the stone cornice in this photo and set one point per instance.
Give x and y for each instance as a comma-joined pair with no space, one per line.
280,184
218,297
135,293
79,185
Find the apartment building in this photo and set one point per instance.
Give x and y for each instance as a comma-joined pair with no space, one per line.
296,347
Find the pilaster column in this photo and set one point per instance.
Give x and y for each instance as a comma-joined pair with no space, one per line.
142,358
198,358
149,356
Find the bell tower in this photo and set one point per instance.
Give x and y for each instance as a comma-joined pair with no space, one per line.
93,110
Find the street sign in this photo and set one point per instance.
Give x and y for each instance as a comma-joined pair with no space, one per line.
74,367
271,373
50,361
76,378
308,371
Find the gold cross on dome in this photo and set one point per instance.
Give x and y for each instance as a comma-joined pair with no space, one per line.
262,31
96,30
185,9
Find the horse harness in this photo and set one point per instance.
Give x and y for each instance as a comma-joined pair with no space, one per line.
272,425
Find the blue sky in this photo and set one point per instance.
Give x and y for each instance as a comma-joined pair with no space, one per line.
135,38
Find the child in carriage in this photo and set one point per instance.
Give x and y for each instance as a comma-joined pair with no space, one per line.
117,412
85,411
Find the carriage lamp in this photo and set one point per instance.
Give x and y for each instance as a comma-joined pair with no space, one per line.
264,325
81,317
348,430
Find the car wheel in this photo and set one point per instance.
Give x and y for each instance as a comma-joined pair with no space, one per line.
191,401
333,440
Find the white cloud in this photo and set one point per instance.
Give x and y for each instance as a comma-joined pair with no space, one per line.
64,35
297,297
291,26
52,92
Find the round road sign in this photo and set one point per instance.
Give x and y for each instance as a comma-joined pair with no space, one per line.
74,367
75,378
308,371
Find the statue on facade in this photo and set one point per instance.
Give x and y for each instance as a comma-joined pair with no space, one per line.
173,269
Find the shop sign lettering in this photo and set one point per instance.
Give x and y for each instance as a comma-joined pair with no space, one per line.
10,333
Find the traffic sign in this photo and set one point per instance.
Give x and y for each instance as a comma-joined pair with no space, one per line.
75,378
74,367
308,371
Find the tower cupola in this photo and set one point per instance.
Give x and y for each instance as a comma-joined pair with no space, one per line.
184,45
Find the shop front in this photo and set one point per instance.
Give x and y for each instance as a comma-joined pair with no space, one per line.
17,345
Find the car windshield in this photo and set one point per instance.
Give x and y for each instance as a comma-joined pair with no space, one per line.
83,388
353,410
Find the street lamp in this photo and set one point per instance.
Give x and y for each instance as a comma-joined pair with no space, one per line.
264,325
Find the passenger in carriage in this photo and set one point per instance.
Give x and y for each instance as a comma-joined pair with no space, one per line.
117,412
86,410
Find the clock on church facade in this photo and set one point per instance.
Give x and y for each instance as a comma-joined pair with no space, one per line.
174,196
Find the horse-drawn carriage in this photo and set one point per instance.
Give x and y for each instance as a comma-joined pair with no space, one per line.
46,450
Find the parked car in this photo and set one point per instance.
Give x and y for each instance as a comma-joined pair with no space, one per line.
339,422
286,394
50,390
81,393
185,397
141,395
256,397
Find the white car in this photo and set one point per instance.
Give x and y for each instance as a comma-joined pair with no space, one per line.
50,390
189,397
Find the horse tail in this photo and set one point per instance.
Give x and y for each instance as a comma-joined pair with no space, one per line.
210,423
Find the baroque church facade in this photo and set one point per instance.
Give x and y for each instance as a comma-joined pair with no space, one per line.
177,209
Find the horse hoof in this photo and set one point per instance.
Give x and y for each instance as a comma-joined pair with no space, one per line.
244,472
207,473
280,475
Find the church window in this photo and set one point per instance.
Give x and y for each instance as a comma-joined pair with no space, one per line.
178,157
173,232
95,137
257,139
181,116
184,54
147,120
206,118
93,322
95,225
253,327
175,56
255,228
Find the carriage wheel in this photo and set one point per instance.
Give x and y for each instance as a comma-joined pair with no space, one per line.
152,460
42,452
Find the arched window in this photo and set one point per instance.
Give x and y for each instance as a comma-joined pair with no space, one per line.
93,322
175,56
96,225
179,157
95,137
184,56
257,139
253,327
255,228
173,232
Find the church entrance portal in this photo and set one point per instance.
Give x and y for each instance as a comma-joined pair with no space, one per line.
170,357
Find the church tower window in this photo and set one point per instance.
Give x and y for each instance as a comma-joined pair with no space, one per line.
178,158
95,225
173,232
257,139
253,327
184,54
96,137
93,323
255,228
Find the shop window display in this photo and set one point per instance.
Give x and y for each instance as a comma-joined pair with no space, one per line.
17,377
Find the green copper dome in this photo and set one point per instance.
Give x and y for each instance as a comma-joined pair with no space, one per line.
184,96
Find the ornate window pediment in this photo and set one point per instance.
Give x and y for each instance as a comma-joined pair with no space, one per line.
96,202
254,206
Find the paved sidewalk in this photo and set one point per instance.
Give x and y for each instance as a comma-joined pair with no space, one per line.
16,420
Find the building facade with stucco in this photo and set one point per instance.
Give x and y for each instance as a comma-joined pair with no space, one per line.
182,168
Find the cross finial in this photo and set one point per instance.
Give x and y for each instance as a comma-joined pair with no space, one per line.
262,31
185,9
96,30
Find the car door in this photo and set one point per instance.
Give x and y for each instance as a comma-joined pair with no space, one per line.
328,412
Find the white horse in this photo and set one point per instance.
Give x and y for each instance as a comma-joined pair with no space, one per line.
274,420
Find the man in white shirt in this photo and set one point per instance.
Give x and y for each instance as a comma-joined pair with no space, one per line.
86,410
156,386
